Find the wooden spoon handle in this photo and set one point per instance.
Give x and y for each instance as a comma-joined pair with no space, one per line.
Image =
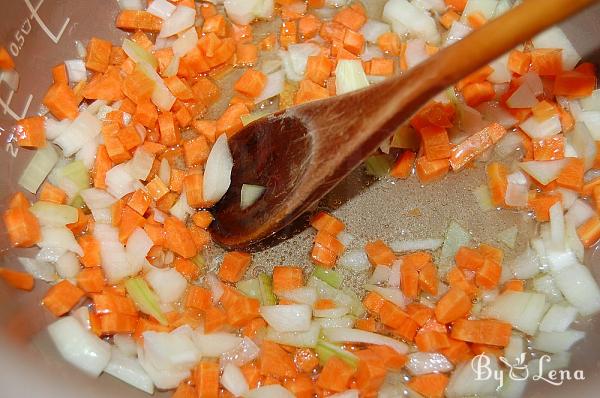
474,51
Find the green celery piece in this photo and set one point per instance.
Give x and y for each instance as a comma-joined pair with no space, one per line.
326,350
329,276
250,287
200,262
265,283
77,202
247,119
145,299
378,165
77,173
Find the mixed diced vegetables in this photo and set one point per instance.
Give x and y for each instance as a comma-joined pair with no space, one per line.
128,164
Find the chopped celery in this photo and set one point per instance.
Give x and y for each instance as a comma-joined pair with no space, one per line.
326,350
145,299
71,178
265,287
77,202
247,119
138,53
250,287
329,276
200,262
379,165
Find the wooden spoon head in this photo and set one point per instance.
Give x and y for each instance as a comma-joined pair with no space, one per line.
272,152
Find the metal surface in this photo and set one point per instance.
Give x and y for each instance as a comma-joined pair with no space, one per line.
42,33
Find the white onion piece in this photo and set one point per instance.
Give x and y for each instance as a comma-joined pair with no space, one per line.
400,246
523,97
288,318
132,4
214,345
274,86
217,171
41,270
393,295
501,73
343,322
568,197
517,190
138,246
456,236
102,216
181,209
508,237
250,194
49,254
558,318
161,8
336,312
112,253
79,347
340,335
541,129
168,284
579,212
418,22
181,19
125,343
215,286
59,238
171,350
350,76
301,295
38,168
457,31
471,120
54,128
523,310
546,285
67,266
119,181
372,29
241,11
161,95
579,288
11,77
233,380
84,128
371,51
464,381
415,52
87,153
380,274
420,363
270,391
297,59
95,198
54,215
514,349
394,279
345,238
556,38
555,342
493,112
544,171
162,378
557,226
247,351
164,171
296,339
584,144
591,120
172,68
76,70
186,42
573,242
356,260
129,370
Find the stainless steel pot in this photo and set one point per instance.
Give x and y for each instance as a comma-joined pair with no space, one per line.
40,34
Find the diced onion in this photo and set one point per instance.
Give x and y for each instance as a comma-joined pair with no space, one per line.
350,76
417,21
273,87
288,318
78,346
400,246
372,29
162,378
59,238
269,391
138,246
161,8
54,128
340,335
456,237
380,274
356,260
250,194
558,318
84,128
584,144
38,168
138,53
523,310
579,288
393,295
523,97
233,380
186,42
544,171
215,286
53,214
67,266
217,171
296,339
119,181
129,370
457,31
132,4
541,129
11,77
181,19
427,362
112,253
41,270
247,351
76,70
301,295
415,52
214,345
174,350
95,198
517,190
168,284
501,73
87,153
556,38
555,342
141,164
464,381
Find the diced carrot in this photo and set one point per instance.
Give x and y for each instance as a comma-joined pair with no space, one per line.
202,219
403,166
59,74
353,42
458,351
476,20
215,24
429,171
335,375
479,349
379,253
17,279
91,280
323,256
389,43
254,327
544,110
571,177
329,242
546,61
53,194
98,55
91,251
455,304
323,221
198,297
230,121
392,316
457,279
31,132
302,386
206,378
129,137
288,33
574,84
19,200
419,313
497,182
178,238
318,69
310,91
105,87
370,373
176,180
142,20
114,323
567,121
287,278
6,61
165,203
308,27
391,359
101,166
138,87
476,93
169,131
367,324
107,303
193,189
479,76
456,5
428,279
475,145
214,319
84,222
514,285
435,143
61,101
306,360
549,148
381,67
251,83
350,18
185,390
430,385
234,266
196,151
596,198
187,268
467,258
407,330
589,232
22,227
541,205
373,303
201,237
130,220
486,331
275,361
246,54
62,297
448,18
431,341
139,202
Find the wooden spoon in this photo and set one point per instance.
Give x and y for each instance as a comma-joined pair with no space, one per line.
301,153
